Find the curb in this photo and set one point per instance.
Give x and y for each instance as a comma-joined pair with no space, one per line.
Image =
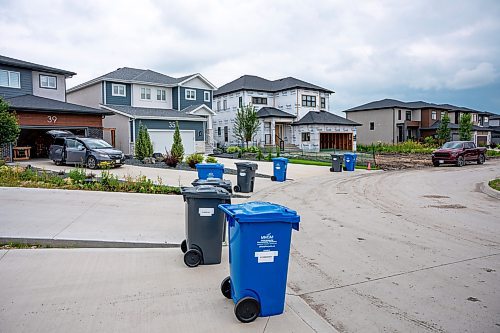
76,243
486,189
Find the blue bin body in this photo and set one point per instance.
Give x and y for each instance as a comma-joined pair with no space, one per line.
350,161
210,170
279,168
259,247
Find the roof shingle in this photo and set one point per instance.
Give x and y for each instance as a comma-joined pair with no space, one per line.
324,117
36,103
29,65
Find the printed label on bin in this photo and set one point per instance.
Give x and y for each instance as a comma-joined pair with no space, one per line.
243,174
278,167
266,241
206,211
266,256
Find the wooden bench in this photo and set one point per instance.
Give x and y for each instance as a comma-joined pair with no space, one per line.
21,153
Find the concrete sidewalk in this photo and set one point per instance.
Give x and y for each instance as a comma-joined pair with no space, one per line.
127,290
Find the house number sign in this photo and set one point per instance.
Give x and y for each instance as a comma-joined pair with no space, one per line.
171,124
51,119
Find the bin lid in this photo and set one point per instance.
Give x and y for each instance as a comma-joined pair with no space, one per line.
250,165
350,154
281,159
209,166
258,211
337,155
205,192
211,181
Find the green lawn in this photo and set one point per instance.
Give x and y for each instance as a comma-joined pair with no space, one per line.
495,184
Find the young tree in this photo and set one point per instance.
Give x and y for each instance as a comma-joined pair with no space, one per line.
465,127
443,132
143,144
177,149
9,127
246,123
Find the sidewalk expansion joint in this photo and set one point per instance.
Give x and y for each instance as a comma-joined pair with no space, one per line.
76,219
397,274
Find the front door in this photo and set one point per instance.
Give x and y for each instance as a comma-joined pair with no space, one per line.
75,151
278,134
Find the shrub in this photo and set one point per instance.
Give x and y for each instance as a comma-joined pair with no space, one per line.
232,149
77,176
143,144
194,159
492,146
211,159
260,156
177,149
109,181
171,160
269,155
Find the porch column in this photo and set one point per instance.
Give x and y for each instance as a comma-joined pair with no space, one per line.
273,132
262,133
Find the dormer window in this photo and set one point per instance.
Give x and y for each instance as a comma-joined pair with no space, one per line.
10,79
118,90
190,94
206,96
48,82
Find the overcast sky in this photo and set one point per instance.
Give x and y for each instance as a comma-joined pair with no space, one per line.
436,51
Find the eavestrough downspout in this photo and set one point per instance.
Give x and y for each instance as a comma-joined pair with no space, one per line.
393,124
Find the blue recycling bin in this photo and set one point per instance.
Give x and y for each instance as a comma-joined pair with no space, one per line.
259,247
279,169
350,161
210,170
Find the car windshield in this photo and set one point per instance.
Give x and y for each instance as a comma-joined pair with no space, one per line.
97,144
452,145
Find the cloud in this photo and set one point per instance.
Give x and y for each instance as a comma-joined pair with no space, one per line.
363,51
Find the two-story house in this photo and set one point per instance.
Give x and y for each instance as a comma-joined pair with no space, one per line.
494,123
37,94
292,112
393,121
158,101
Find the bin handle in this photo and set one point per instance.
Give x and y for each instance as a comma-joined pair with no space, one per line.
295,226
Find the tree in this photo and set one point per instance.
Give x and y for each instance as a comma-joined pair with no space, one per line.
177,149
246,123
465,127
9,127
443,132
143,144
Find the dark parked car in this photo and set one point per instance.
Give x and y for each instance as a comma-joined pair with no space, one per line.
458,152
91,152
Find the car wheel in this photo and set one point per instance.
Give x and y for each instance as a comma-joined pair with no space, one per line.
91,162
436,164
460,161
481,159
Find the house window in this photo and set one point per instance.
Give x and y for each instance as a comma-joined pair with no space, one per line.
226,134
372,126
240,102
118,90
224,104
443,113
131,132
161,95
47,81
323,102
218,105
259,100
145,93
219,131
306,136
206,96
399,114
10,79
308,100
434,115
408,115
190,94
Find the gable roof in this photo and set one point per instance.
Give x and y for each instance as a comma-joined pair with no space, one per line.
193,108
151,113
42,104
273,112
252,82
324,117
29,65
393,103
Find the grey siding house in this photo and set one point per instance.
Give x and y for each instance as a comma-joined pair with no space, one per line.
158,101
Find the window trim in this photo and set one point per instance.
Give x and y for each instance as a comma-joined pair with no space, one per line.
309,100
406,115
48,76
399,114
186,93
205,94
163,95
146,94
9,85
113,85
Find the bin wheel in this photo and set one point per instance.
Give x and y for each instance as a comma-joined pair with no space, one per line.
192,258
273,178
184,246
225,287
247,309
236,188
331,170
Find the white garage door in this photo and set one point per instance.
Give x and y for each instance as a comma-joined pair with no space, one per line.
163,139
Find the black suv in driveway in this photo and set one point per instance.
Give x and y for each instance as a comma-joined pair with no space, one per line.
91,152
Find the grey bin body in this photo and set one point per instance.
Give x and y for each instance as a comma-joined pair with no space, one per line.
204,224
337,163
224,183
246,176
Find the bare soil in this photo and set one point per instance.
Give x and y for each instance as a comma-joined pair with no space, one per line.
403,161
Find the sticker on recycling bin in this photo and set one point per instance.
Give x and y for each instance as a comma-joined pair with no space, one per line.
278,167
206,211
265,256
243,174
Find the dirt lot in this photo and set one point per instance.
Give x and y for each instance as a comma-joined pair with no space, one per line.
402,161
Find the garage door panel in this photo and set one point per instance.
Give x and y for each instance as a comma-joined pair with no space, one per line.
163,139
